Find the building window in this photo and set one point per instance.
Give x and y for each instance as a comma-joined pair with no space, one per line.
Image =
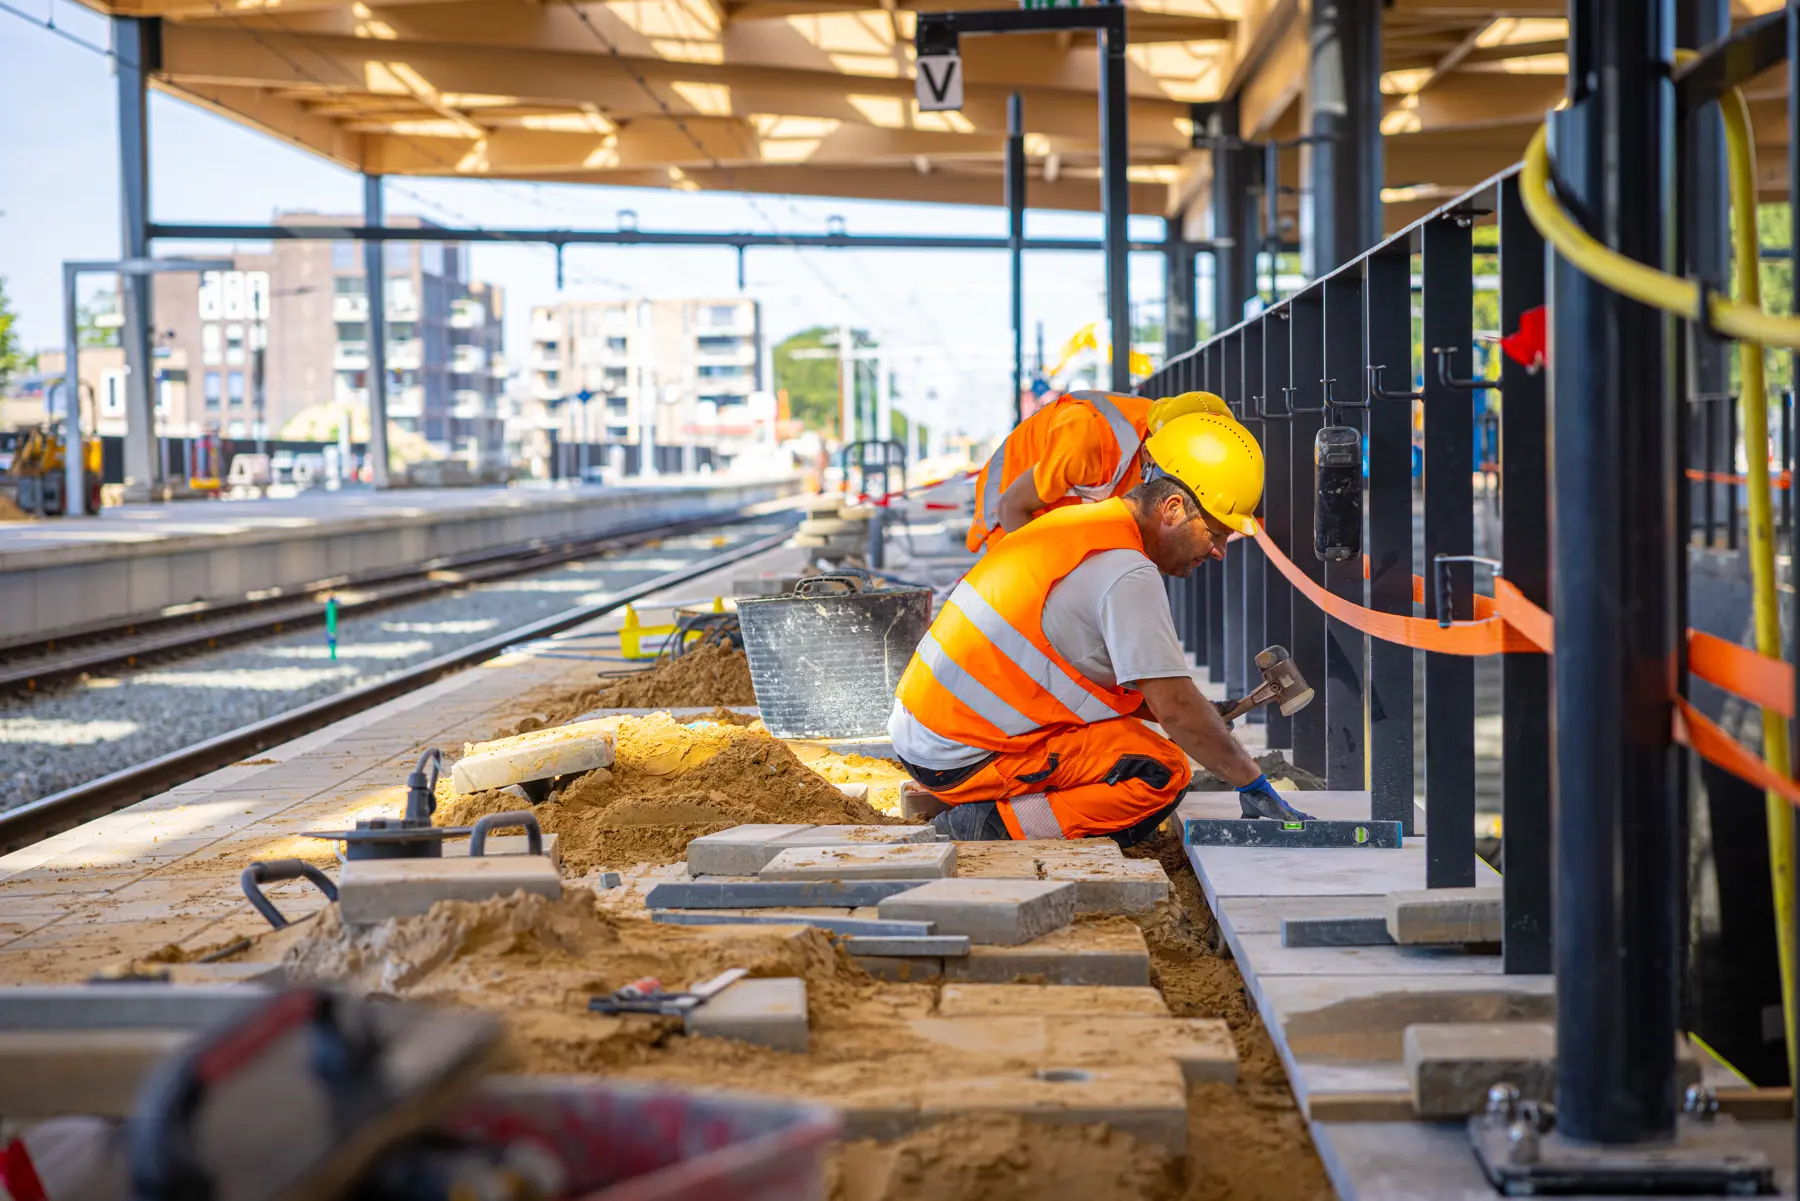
718,343
723,314
431,258
402,331
234,296
234,344
234,388
352,331
210,295
617,345
211,345
398,256
344,255
720,371
256,284
213,392
402,296
350,285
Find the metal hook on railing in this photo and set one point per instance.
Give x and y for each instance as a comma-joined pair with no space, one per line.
1318,408
1332,402
1377,392
1262,408
1443,354
1441,581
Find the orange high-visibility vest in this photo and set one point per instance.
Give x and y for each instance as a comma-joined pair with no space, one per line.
1120,421
985,675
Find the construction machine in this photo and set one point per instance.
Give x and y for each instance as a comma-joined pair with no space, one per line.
36,473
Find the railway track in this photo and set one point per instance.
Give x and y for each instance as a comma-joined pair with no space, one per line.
39,819
31,664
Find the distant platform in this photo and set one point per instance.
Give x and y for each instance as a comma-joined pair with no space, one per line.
60,574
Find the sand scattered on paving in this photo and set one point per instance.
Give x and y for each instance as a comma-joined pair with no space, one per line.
709,674
670,783
1005,1159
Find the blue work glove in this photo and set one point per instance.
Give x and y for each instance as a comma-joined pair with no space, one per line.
1259,799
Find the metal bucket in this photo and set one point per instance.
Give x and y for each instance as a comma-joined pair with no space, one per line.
826,658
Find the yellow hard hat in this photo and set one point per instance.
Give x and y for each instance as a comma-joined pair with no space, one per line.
1170,407
1217,458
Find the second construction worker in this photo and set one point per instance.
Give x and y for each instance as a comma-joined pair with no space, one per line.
1025,706
1082,447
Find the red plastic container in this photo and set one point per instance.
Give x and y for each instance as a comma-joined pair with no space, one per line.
622,1141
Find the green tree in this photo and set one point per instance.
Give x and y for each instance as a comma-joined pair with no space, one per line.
12,359
811,380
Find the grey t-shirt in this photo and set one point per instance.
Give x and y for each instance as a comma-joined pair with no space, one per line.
1109,618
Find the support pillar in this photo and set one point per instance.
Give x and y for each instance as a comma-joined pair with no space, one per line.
1617,777
1115,146
1340,208
137,51
1179,329
1706,243
1233,221
375,281
1015,237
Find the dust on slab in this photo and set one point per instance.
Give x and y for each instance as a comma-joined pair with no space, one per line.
671,782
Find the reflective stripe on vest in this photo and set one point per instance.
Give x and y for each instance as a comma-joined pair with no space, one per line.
1124,433
1082,704
970,691
1035,817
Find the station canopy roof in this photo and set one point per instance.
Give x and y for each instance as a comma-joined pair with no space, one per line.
815,97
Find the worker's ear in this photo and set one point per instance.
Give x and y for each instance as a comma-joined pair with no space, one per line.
1174,511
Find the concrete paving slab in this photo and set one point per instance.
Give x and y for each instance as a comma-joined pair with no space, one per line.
48,1073
1442,916
1452,1065
917,946
1335,932
122,1006
511,844
1127,886
1000,912
1264,915
372,890
836,836
915,861
1084,953
767,1012
1145,1102
922,969
1274,959
540,754
740,851
1006,1000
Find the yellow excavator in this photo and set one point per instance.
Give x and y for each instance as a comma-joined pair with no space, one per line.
37,474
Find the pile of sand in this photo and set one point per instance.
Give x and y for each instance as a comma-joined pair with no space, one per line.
709,674
10,510
1005,1159
883,776
671,783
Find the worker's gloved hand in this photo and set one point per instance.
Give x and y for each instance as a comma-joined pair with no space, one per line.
1259,799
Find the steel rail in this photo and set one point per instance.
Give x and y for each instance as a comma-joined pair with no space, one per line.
39,819
129,642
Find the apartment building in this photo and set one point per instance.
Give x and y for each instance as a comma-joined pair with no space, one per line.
247,351
665,371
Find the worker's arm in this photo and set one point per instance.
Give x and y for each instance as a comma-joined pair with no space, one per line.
1193,724
1018,503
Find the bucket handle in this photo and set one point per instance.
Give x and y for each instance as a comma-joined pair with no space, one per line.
850,584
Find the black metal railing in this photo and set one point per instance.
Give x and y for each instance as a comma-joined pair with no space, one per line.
1340,353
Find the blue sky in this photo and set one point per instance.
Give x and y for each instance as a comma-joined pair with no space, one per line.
58,200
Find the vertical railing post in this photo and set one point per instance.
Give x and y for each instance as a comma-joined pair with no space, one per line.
1387,304
1211,381
1255,563
1447,303
1346,649
1278,502
1306,366
1525,552
1232,389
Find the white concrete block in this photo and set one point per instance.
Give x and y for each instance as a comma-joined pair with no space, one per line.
373,890
769,1013
739,851
537,755
1445,916
1002,912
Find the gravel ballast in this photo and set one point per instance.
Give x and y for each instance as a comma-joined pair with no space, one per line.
63,737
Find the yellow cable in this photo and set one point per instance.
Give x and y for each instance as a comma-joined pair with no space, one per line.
1752,328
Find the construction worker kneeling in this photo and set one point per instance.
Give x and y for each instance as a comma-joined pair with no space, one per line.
1024,707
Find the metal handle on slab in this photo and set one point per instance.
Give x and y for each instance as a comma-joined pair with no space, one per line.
534,835
273,871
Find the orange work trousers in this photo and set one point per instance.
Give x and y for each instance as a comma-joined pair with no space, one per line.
1099,779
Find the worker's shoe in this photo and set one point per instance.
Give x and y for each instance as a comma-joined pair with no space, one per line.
1259,799
972,821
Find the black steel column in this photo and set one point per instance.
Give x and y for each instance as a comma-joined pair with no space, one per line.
1115,139
1015,212
1346,649
375,282
137,51
1387,306
1525,550
1233,222
1341,204
1278,501
1706,240
1614,563
1448,306
1306,366
1179,328
1255,563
